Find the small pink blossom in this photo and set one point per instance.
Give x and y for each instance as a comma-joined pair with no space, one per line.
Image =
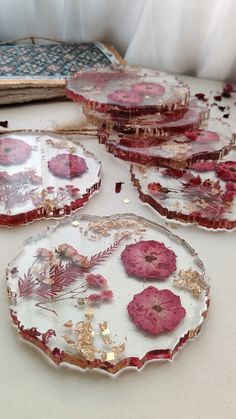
149,259
107,295
202,136
230,186
35,180
203,166
151,89
67,250
226,170
156,311
44,253
128,97
94,298
96,280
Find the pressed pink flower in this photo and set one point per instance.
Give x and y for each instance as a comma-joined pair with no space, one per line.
175,173
67,250
202,136
36,180
155,187
107,295
230,186
156,311
203,166
151,89
75,191
226,170
149,259
228,88
96,280
211,211
81,260
44,253
67,165
94,298
128,97
13,151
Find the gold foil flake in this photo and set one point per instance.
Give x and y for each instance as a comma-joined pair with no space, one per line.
49,205
176,148
103,326
118,349
69,340
105,332
84,340
75,223
191,280
104,227
110,356
126,201
69,323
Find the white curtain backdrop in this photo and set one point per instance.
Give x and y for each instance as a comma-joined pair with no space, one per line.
195,37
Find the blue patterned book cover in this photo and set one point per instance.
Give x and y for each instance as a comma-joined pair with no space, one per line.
38,72
55,61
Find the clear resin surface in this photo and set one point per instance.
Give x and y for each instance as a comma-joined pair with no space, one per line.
43,175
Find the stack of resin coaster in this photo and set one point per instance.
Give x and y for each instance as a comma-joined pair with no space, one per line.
146,116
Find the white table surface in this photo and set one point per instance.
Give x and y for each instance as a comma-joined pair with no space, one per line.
198,384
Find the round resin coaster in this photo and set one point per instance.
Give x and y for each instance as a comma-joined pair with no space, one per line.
158,125
132,90
180,150
107,293
42,176
204,195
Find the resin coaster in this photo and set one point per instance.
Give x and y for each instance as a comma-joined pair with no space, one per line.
180,150
43,176
204,195
158,125
107,293
132,90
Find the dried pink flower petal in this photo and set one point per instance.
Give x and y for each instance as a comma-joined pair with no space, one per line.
226,170
203,166
107,295
149,259
96,280
202,136
94,298
13,151
156,310
44,253
67,165
67,250
128,97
